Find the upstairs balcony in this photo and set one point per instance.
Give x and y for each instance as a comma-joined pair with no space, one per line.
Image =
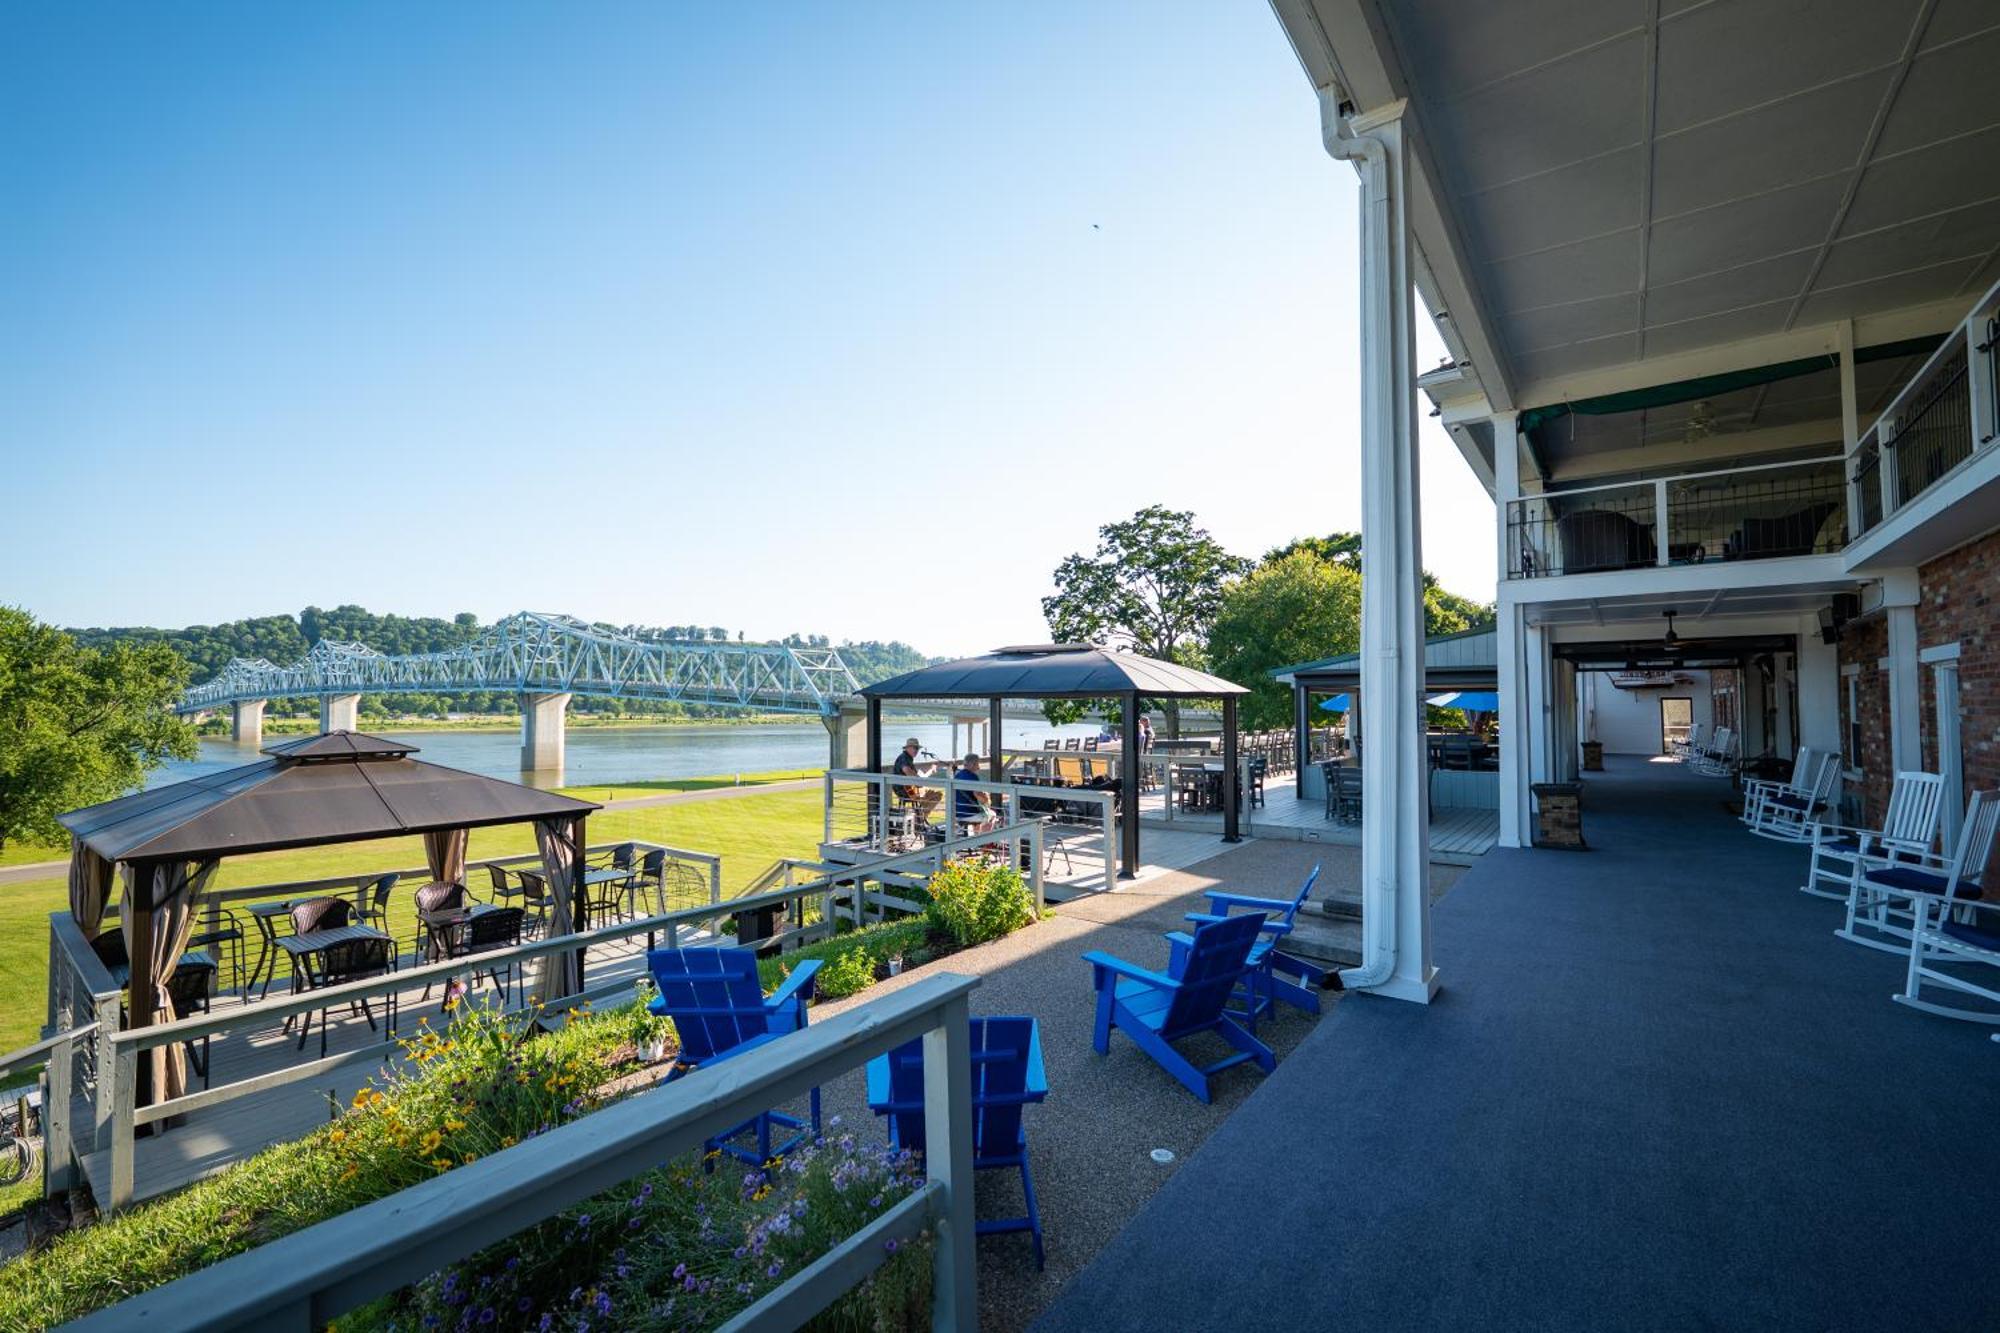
1694,518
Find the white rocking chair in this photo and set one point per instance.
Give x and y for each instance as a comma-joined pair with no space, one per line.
1949,930
1909,827
1756,789
1882,906
1686,747
1719,759
1787,816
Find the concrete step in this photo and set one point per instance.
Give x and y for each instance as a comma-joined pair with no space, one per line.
1327,938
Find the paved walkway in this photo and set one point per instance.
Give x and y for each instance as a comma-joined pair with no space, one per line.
1654,1093
1090,1143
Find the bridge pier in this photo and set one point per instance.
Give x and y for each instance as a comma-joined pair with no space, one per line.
246,722
847,735
542,728
338,712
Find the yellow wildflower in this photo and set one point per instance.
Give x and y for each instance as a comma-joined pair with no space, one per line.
442,1163
430,1142
454,1124
508,1141
469,1159
338,1136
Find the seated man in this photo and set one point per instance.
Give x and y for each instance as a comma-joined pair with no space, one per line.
974,809
922,800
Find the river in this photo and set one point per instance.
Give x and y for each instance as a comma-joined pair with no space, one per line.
604,756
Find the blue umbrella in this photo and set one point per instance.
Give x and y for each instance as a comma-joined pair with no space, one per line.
1337,704
1472,701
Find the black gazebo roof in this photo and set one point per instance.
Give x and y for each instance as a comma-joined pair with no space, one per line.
1053,671
338,787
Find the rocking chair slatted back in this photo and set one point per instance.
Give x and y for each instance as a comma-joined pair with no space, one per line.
1916,802
1216,961
1975,840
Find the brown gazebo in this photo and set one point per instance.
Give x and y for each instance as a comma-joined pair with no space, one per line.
338,787
1079,671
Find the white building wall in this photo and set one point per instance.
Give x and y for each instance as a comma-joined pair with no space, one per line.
1628,721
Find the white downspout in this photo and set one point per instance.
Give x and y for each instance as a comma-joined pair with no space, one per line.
1378,905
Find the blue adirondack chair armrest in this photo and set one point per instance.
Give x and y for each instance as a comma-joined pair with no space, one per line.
799,986
1104,963
1209,919
1221,901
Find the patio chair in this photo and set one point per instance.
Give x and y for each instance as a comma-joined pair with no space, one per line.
1684,748
535,898
502,890
486,932
434,897
1719,759
1787,816
1261,987
719,1011
1908,826
1344,790
1073,743
1259,766
340,963
1051,744
1883,903
190,987
1007,1075
1756,789
1158,1009
651,874
225,939
374,903
322,913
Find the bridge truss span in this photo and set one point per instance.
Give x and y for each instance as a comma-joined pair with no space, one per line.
536,653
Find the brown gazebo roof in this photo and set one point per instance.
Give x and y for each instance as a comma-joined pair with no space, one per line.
338,787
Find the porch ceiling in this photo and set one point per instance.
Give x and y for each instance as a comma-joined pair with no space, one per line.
1628,180
1694,609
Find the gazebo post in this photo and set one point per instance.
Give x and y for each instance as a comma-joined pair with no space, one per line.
1232,793
874,734
996,765
1128,786
1301,736
139,946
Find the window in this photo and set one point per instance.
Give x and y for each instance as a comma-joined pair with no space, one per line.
1852,731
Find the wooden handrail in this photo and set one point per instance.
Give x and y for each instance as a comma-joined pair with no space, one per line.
305,1280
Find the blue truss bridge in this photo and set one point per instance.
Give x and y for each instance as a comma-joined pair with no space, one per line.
545,659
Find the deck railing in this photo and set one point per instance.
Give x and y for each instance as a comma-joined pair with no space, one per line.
1752,513
1946,415
811,906
305,1280
864,811
85,1007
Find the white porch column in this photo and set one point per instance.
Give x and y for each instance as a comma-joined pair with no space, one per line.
1395,835
1943,662
1515,724
246,722
337,712
1899,596
542,732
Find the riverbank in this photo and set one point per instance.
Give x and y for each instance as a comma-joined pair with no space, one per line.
500,722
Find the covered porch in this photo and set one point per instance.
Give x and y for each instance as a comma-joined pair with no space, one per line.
1658,1093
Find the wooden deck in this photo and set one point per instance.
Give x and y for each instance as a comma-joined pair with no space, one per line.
1459,836
208,1140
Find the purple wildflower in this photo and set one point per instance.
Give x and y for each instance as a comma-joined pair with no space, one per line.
604,1302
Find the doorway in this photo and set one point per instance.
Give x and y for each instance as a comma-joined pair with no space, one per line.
1676,720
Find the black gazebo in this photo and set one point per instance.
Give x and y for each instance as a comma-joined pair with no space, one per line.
1070,671
338,787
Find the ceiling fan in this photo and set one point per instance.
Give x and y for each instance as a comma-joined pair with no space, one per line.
1672,642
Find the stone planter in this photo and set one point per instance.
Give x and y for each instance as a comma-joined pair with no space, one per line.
1559,815
1593,756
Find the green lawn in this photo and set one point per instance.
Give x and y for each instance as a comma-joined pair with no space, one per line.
621,790
748,832
27,853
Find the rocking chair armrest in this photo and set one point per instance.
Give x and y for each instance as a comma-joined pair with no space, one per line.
1104,963
799,985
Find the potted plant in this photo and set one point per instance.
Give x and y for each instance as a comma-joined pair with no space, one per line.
648,1032
895,964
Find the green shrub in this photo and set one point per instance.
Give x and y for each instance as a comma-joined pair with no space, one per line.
846,973
975,900
871,945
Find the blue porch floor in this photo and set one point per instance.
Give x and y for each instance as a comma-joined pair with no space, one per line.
1655,1092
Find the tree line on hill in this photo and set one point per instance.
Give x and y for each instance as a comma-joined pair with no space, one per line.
285,638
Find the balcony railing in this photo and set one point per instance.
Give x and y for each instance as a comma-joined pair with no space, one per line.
1756,513
1948,413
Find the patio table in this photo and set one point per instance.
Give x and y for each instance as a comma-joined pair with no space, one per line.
300,947
608,875
441,926
267,916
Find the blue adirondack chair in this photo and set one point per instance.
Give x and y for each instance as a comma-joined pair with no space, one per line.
1158,1009
1264,986
720,1010
1007,1074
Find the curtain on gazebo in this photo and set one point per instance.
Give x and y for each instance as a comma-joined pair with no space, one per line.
89,888
445,850
173,890
561,845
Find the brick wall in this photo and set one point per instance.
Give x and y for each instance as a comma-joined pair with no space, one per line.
1961,600
1864,646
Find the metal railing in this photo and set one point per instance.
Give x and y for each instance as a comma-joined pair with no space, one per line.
1753,513
1948,414
86,1006
866,812
307,1279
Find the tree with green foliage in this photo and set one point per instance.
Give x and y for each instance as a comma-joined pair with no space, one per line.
1296,608
79,725
1336,548
1153,585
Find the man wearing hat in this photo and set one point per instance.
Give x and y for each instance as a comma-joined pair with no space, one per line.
922,800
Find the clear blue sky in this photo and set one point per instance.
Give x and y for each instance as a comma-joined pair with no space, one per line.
839,319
